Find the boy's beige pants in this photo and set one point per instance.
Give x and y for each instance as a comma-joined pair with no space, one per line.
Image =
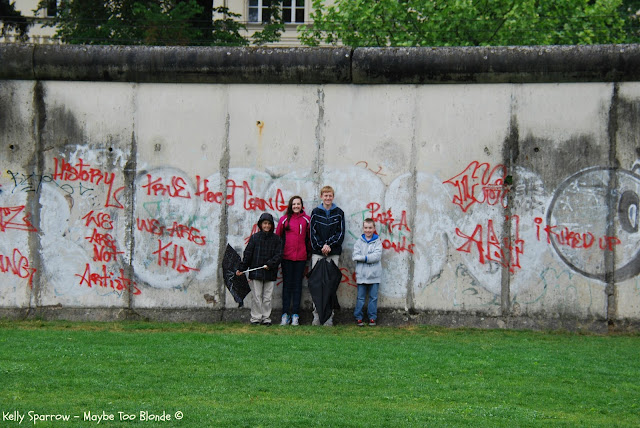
261,292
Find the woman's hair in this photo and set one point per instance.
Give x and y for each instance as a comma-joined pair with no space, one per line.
290,210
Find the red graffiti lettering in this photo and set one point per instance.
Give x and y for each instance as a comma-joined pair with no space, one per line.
608,242
277,204
202,190
185,232
151,226
478,183
112,197
9,219
181,231
104,247
279,278
84,173
156,187
576,240
250,202
490,248
398,247
101,220
108,280
366,166
386,218
231,191
348,277
17,265
567,237
172,257
79,172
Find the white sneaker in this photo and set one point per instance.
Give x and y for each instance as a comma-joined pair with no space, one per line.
285,320
295,319
329,322
316,318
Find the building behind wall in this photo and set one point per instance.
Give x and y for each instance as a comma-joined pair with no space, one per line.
252,14
38,32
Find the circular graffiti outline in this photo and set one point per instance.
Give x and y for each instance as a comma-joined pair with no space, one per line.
629,270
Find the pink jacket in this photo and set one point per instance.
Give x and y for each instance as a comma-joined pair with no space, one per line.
295,235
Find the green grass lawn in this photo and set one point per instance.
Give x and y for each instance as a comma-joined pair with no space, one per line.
233,375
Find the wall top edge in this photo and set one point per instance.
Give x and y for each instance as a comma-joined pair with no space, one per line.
321,65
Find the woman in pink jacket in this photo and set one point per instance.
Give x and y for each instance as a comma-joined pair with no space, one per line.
293,229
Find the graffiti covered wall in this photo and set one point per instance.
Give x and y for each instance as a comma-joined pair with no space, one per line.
500,201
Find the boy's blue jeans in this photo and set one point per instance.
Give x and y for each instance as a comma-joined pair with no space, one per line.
372,307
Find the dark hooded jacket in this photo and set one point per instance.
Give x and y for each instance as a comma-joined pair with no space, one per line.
264,248
327,227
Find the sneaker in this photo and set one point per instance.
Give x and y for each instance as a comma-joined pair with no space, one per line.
255,322
285,319
359,323
295,319
329,322
266,322
372,322
316,319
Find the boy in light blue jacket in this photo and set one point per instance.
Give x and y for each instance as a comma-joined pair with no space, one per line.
367,253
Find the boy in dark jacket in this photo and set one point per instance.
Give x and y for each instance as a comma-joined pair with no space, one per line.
263,253
327,231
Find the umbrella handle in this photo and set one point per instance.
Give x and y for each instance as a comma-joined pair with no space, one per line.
249,270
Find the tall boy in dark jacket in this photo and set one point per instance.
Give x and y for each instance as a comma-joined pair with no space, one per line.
264,251
327,229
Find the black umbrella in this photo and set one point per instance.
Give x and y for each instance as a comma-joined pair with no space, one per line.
323,283
238,285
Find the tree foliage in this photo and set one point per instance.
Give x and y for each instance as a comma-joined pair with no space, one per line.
274,24
155,22
630,10
13,21
467,22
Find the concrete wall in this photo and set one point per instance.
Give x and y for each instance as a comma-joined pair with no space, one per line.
508,199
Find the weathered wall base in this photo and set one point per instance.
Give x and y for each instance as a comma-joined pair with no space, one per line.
386,317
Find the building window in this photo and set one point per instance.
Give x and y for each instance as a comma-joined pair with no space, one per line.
52,8
292,10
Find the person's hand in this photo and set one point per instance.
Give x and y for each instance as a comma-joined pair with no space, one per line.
238,273
266,267
326,250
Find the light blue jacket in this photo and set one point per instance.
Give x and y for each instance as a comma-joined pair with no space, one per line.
368,256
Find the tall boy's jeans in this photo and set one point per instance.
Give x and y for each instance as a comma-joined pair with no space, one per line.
372,307
292,272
